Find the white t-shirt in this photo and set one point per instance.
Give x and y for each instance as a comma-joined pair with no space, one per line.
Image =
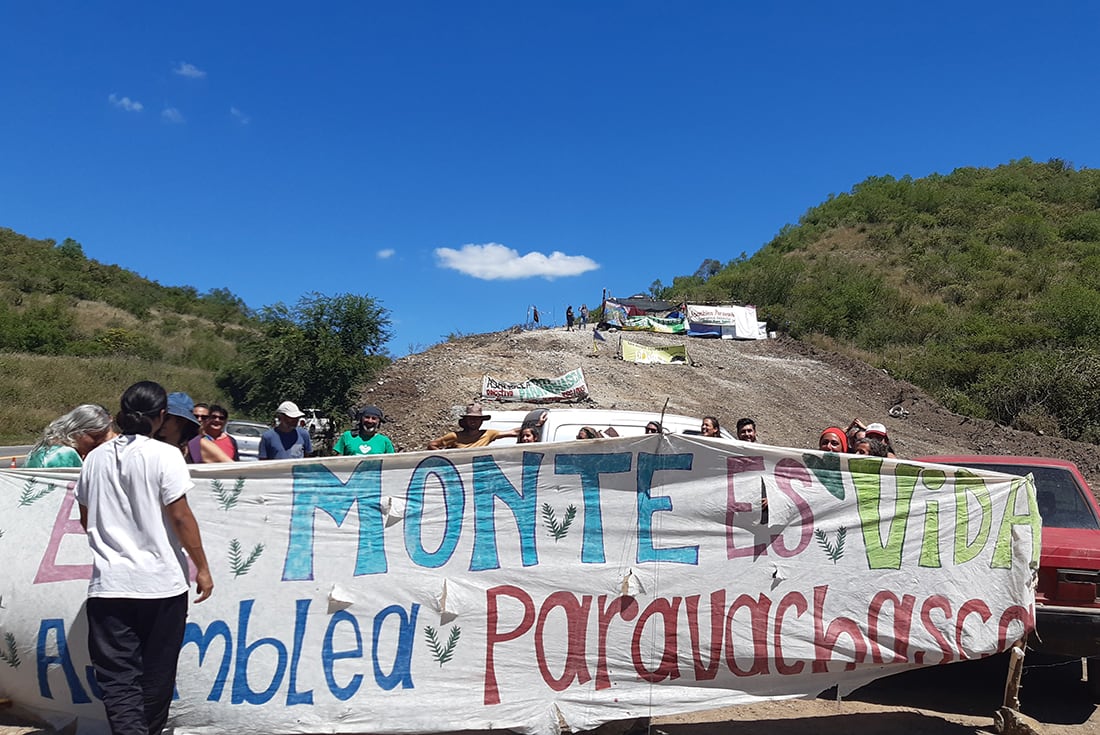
125,484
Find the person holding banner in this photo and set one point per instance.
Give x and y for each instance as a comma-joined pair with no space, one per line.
366,439
833,439
470,433
132,493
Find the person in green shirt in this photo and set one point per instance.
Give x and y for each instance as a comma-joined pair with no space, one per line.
69,438
365,439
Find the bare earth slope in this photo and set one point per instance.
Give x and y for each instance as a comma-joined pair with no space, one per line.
793,391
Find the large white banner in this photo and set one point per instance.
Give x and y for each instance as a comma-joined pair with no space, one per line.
538,586
740,319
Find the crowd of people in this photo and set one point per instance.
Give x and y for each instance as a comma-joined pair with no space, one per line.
132,498
199,430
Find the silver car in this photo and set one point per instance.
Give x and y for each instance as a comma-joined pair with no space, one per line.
247,434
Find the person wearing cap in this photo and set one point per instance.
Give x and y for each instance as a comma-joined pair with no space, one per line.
180,425
470,433
365,439
878,431
287,440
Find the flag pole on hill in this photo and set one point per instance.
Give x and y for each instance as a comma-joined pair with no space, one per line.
596,339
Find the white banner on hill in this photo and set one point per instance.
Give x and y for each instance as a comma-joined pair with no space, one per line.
568,387
741,318
534,585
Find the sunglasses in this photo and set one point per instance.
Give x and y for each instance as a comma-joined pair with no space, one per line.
215,417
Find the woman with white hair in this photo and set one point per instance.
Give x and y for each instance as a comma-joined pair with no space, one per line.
69,438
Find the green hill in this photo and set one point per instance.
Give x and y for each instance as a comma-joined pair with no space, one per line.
73,330
982,286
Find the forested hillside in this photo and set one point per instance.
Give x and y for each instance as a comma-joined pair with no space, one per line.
56,301
73,330
981,286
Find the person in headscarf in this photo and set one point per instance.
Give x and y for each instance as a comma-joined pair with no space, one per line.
833,439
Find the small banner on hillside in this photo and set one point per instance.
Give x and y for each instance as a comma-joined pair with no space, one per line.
537,587
668,355
654,324
568,387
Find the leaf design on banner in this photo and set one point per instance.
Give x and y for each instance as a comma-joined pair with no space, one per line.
442,653
833,551
227,498
237,562
31,494
11,655
550,520
827,469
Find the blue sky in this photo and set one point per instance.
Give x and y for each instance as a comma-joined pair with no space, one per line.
462,161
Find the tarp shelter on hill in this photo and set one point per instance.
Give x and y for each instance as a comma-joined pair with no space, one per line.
725,320
617,311
667,355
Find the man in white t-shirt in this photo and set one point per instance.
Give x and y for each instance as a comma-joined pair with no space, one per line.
133,505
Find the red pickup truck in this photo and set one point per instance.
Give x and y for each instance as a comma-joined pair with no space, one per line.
1067,608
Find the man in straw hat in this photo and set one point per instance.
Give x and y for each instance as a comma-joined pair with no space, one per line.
470,433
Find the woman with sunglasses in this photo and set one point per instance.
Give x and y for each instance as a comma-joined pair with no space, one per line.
213,444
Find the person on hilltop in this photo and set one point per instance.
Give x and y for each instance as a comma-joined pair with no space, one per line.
569,318
68,439
746,430
365,439
584,317
132,495
212,444
470,433
288,440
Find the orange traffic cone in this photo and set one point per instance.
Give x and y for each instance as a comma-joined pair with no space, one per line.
13,462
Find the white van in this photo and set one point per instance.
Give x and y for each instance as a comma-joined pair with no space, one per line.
562,424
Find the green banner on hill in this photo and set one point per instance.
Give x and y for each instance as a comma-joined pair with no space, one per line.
568,387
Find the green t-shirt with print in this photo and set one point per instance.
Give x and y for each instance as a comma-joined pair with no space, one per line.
352,444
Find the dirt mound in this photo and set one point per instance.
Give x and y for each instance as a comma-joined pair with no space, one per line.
791,389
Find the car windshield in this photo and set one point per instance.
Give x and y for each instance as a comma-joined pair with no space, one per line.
1061,500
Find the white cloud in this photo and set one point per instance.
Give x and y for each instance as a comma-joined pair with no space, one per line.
189,70
172,115
125,103
239,116
386,253
493,261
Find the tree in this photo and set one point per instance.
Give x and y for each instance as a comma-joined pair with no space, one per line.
314,353
707,268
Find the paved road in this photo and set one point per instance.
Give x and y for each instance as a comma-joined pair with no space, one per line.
18,452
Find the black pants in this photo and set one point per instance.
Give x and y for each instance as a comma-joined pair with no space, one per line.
135,645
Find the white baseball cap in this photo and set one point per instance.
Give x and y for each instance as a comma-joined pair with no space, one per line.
289,408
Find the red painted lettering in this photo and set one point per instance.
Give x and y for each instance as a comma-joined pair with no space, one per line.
576,622
668,668
493,637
